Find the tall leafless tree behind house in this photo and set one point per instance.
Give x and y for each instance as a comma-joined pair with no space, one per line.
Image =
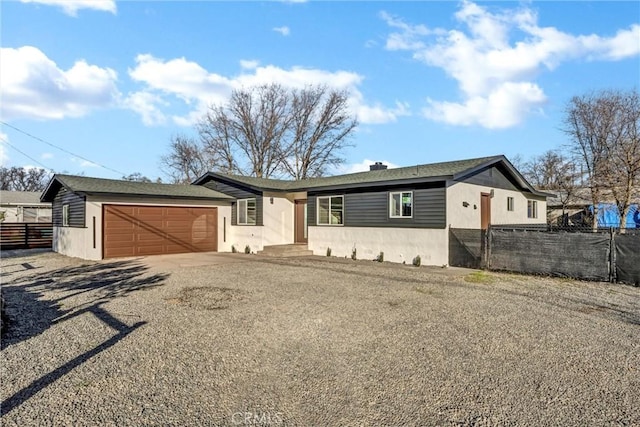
246,135
267,131
320,128
186,160
23,179
603,131
554,172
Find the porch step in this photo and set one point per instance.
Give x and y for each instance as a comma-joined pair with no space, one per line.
285,251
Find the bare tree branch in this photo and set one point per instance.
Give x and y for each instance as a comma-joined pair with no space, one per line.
23,179
603,131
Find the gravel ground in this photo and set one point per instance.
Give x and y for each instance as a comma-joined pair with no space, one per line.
312,342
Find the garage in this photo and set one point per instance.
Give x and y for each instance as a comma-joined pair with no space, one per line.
138,230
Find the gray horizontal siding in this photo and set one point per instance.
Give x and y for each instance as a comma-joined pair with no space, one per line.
77,208
371,208
232,190
491,177
239,193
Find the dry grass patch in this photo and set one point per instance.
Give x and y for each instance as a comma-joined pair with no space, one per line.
480,277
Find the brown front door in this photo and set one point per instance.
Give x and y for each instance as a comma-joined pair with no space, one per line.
133,230
485,210
300,222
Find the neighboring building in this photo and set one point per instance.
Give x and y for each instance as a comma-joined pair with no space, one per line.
578,210
402,212
23,206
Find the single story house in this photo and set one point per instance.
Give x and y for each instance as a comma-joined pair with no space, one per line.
23,206
402,212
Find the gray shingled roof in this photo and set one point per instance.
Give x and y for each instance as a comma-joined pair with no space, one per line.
445,170
83,184
31,198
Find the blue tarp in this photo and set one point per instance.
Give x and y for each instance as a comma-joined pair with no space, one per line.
608,216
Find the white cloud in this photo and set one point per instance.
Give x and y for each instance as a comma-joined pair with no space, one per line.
84,163
4,157
284,30
496,75
147,105
362,166
377,114
501,108
249,64
198,88
45,156
33,86
71,7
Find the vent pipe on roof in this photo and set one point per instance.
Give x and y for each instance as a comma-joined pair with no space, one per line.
377,166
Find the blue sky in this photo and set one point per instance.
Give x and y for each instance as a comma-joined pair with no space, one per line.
110,81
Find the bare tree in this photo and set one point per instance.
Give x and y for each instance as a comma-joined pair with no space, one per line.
267,131
186,160
320,127
138,177
624,155
23,179
603,128
553,171
246,135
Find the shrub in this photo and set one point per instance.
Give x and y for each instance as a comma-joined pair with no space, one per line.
328,251
233,249
247,249
380,257
353,254
417,261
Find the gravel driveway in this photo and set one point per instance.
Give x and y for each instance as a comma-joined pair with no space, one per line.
312,342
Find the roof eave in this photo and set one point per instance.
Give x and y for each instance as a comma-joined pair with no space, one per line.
384,183
115,193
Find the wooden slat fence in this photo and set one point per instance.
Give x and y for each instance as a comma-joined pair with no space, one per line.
26,235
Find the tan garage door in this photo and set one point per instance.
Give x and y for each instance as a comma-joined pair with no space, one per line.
130,230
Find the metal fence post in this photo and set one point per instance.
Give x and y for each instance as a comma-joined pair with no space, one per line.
487,247
612,255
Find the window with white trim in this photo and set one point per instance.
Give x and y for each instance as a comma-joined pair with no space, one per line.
65,215
510,204
247,212
532,209
330,210
401,204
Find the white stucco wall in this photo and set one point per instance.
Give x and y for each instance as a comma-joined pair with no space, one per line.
71,241
459,216
277,229
13,213
398,244
79,242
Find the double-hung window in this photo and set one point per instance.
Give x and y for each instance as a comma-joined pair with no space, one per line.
401,204
65,215
510,204
532,209
247,212
331,210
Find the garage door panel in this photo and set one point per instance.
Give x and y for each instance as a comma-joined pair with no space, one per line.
150,230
